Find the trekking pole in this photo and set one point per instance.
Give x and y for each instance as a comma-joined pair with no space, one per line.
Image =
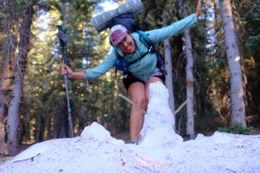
63,43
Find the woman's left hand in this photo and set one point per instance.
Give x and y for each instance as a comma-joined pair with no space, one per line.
198,8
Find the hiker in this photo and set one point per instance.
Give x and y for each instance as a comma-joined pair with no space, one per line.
143,68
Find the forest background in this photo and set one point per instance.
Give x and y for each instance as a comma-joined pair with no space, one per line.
32,91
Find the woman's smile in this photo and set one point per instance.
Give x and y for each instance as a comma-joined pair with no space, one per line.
127,45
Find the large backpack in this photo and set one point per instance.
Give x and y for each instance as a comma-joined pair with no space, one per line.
129,21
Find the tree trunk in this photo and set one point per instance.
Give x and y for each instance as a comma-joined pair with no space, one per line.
8,49
190,81
169,76
189,75
8,55
21,61
39,128
61,121
189,88
123,113
233,56
210,27
5,87
13,115
168,68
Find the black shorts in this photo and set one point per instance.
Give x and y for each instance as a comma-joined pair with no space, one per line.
130,79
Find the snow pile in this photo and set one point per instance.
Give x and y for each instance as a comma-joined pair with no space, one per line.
160,151
158,127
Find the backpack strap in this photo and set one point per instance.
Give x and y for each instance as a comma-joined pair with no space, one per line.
146,40
121,64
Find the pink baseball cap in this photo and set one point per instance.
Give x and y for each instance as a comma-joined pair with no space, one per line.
117,34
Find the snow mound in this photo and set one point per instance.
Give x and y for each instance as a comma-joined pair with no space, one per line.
158,127
96,132
160,151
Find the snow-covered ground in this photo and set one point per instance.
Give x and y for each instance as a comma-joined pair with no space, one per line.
160,151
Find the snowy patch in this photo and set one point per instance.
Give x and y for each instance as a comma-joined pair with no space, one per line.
158,128
160,151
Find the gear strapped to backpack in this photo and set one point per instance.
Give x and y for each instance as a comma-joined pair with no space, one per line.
128,20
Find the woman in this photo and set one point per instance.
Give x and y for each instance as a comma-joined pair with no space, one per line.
143,71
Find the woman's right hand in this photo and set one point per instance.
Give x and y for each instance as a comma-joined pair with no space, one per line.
66,70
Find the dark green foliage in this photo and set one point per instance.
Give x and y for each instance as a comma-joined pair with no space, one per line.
253,21
253,42
237,129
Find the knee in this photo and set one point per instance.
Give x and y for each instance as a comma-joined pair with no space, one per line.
140,101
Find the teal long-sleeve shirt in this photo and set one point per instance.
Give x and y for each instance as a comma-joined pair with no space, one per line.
144,67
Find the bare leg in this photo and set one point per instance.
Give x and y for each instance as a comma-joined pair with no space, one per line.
136,91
